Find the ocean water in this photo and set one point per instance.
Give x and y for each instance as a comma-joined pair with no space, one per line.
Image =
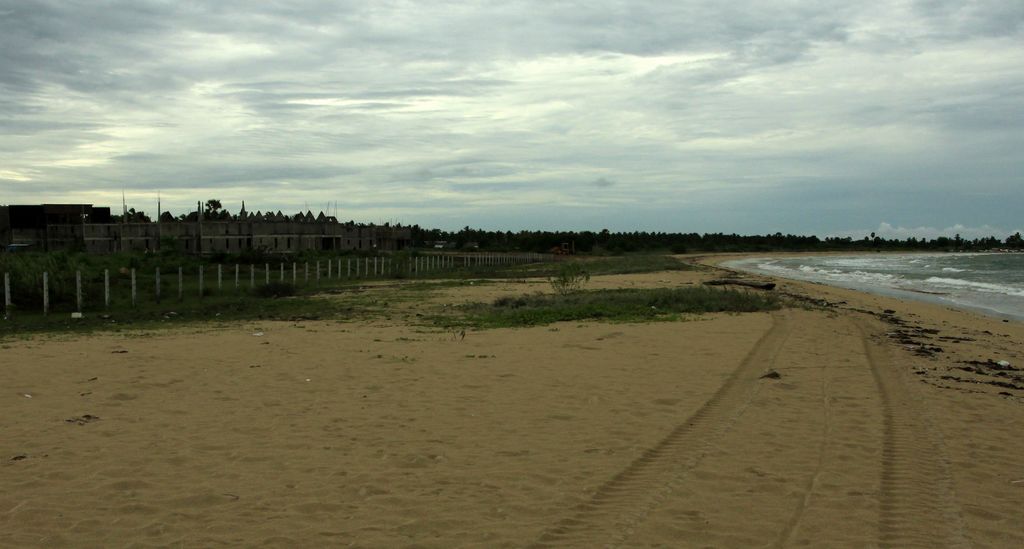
989,283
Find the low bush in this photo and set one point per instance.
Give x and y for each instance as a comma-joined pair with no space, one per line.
618,305
570,278
274,289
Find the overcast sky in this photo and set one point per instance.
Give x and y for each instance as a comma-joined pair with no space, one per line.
820,117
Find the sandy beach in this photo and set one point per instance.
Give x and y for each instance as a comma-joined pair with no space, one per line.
849,420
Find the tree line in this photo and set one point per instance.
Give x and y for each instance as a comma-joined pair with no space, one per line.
642,241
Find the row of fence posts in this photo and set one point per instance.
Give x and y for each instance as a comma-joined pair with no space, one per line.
381,266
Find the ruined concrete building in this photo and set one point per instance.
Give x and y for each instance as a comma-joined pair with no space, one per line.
51,227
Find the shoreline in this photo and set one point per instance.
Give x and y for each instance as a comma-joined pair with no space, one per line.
900,294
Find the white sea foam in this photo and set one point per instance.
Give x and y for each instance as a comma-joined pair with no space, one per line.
810,272
862,276
773,267
986,287
989,282
855,262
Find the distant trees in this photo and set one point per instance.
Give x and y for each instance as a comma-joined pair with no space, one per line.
605,241
1015,241
213,210
133,216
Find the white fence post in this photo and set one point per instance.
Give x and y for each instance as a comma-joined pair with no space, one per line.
201,269
307,272
7,295
294,274
236,277
318,272
133,287
220,277
252,275
106,288
266,273
282,271
46,293
78,289
158,284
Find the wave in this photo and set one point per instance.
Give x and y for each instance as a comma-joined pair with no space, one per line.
810,272
986,287
857,262
993,283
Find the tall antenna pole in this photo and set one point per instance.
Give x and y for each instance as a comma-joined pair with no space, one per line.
159,234
199,226
124,216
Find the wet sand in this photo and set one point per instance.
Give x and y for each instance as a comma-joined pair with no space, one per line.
385,433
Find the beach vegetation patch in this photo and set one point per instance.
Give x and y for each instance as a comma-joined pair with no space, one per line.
274,289
570,278
628,305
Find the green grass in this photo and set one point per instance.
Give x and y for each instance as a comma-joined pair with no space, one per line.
228,303
212,309
613,305
595,265
332,300
631,264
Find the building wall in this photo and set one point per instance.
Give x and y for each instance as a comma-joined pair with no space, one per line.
208,237
5,226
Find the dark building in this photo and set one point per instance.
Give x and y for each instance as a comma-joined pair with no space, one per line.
50,227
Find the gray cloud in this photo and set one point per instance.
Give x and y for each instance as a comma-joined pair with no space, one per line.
693,115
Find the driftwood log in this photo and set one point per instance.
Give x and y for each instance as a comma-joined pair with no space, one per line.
738,282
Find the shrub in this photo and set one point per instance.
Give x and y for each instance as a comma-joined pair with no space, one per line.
275,289
621,305
570,278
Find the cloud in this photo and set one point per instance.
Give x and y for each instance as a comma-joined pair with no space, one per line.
690,115
888,231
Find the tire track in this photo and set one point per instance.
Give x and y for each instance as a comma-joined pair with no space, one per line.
615,510
793,524
917,507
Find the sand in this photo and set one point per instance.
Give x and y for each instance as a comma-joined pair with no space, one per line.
385,433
